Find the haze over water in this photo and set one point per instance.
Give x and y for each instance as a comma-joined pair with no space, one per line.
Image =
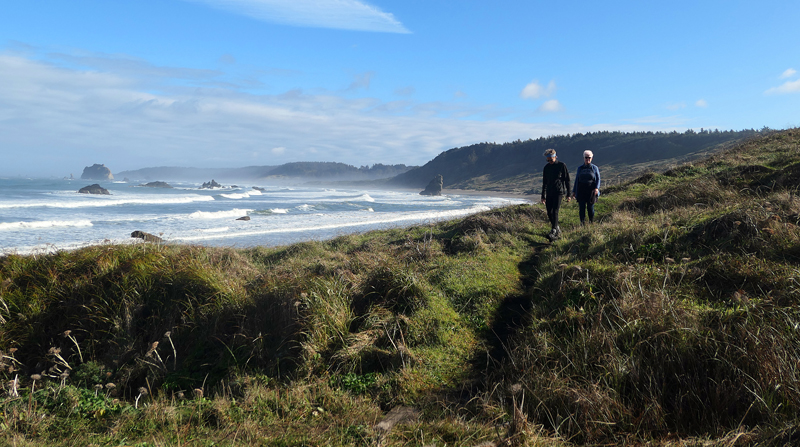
42,215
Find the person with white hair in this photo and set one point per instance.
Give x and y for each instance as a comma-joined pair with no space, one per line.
555,185
587,187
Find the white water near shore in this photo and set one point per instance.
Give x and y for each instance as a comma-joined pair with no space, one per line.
42,215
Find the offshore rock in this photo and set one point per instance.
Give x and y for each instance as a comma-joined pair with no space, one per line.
97,172
157,185
243,218
211,184
93,189
434,188
147,237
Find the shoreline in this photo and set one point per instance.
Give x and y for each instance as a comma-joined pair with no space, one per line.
504,194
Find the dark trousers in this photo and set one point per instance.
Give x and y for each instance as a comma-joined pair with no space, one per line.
583,207
553,204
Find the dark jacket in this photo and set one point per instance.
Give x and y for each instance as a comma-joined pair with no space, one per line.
555,179
587,179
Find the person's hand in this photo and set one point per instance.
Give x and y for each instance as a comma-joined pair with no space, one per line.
543,200
597,192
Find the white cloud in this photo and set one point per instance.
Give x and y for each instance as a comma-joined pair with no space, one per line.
701,103
56,120
551,106
676,106
785,88
534,90
338,14
788,73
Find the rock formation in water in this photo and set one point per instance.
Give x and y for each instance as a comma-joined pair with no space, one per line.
157,185
97,172
147,237
211,184
434,188
93,189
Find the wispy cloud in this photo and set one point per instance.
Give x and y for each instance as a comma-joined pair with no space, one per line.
337,14
361,81
676,106
788,86
535,90
702,103
551,106
405,91
785,88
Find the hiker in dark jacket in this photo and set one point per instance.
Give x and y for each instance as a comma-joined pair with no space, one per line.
587,187
555,184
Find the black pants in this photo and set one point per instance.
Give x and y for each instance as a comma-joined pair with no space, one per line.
583,207
553,204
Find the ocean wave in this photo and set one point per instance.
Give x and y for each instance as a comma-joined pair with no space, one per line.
105,201
305,207
12,226
376,220
236,195
234,213
364,198
213,230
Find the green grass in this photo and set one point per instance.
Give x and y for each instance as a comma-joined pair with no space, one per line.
673,319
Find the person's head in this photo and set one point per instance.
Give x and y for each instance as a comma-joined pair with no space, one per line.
550,155
587,157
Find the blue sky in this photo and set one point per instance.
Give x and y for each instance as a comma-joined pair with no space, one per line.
227,83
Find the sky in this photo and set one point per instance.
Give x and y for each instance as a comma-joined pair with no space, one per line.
232,83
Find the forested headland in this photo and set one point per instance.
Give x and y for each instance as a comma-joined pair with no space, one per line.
517,166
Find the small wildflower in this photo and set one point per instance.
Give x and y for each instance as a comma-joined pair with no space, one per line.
198,393
143,391
36,377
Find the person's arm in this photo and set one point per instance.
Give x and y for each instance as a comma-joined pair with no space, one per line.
567,182
575,185
544,182
597,176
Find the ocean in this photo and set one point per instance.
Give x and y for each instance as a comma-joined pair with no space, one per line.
47,215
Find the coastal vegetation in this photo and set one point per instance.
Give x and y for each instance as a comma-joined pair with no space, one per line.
673,320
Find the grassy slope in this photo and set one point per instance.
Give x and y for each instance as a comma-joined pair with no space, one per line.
674,317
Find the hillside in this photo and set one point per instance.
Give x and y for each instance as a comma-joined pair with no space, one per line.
672,321
517,166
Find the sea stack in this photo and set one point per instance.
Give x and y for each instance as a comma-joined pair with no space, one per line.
97,172
434,188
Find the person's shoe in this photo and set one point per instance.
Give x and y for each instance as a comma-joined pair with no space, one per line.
558,231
